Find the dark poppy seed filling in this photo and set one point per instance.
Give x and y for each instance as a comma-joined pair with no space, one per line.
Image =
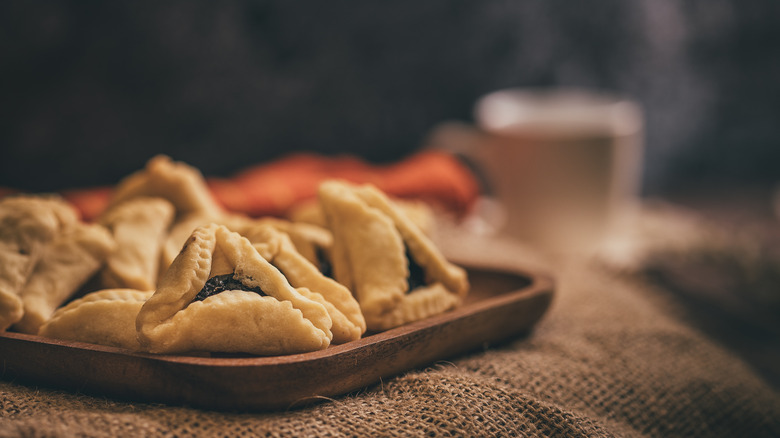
416,273
324,263
221,283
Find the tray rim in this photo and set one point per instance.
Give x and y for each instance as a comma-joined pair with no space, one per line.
541,287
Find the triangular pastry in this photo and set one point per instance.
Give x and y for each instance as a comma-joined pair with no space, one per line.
72,257
394,270
105,317
179,183
277,247
27,225
139,226
220,295
185,188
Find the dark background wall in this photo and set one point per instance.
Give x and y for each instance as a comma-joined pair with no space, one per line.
90,90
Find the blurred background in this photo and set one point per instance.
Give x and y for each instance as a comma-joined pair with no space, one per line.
91,90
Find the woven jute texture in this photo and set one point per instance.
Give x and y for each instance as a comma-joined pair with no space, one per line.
608,359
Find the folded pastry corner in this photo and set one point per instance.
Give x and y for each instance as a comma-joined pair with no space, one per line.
178,233
105,317
312,241
27,225
73,256
179,183
221,295
140,227
392,267
278,248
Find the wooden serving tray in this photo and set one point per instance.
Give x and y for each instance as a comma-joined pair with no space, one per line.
504,302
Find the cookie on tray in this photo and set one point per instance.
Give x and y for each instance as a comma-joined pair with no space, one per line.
394,270
179,183
27,225
105,317
221,295
140,228
72,258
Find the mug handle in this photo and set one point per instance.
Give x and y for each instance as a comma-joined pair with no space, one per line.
462,140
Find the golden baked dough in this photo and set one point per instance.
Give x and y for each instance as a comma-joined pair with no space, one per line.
394,270
277,247
179,183
27,225
312,241
139,226
276,319
310,212
178,234
181,230
105,317
66,264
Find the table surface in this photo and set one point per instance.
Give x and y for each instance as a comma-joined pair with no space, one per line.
714,300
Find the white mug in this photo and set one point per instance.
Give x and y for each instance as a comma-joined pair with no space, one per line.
563,164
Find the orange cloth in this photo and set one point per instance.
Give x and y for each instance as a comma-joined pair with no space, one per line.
272,188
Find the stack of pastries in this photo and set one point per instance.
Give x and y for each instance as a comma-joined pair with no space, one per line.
167,270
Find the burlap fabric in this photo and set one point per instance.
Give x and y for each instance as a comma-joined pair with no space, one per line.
609,359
